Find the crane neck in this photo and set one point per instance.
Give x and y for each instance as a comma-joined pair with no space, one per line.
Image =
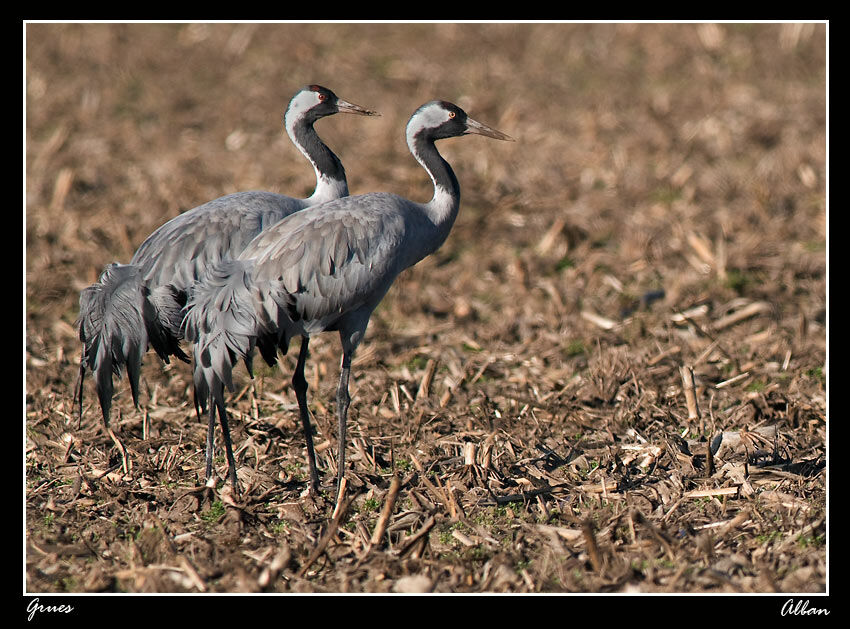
443,207
330,175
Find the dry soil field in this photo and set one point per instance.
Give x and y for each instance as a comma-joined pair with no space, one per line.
663,208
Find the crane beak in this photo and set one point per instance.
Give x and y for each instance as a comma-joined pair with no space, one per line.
477,128
350,108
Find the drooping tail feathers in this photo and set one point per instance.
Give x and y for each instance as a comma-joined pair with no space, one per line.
222,322
119,316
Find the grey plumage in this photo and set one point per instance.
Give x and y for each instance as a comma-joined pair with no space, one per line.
140,304
181,251
112,327
326,269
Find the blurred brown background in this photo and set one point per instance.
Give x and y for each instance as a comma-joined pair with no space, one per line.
659,169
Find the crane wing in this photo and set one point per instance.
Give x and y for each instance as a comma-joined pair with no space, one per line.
336,258
184,248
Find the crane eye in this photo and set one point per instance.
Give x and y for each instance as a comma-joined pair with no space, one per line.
451,114
321,96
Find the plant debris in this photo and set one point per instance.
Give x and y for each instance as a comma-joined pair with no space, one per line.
610,378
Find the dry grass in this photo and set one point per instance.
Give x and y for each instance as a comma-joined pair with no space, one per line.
664,208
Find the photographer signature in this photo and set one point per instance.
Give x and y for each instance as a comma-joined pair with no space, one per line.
801,608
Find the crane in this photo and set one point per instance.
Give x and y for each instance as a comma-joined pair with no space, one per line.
140,303
322,270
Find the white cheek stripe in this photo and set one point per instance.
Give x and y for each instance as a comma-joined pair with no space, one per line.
300,103
432,116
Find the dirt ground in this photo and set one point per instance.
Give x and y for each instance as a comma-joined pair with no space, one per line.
662,212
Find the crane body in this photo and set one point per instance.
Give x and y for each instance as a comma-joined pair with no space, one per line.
140,304
322,270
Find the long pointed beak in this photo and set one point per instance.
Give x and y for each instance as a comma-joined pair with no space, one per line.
473,126
350,108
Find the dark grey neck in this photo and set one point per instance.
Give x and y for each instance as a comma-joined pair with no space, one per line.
324,160
441,173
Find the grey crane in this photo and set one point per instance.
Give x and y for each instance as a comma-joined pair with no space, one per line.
140,303
323,270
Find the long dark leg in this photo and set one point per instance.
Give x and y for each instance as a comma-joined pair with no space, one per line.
343,399
210,432
225,430
210,440
78,389
299,383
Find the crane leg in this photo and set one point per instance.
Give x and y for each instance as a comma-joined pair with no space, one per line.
218,400
299,384
210,442
343,399
78,389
